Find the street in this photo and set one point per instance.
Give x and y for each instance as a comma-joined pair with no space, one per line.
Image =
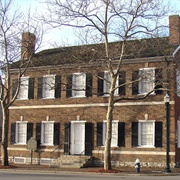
61,176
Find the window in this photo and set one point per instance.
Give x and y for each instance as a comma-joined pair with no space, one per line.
104,80
178,82
118,134
178,128
47,133
26,90
107,84
147,133
147,80
78,85
23,90
21,132
48,86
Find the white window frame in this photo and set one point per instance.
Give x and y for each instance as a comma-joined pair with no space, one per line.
106,84
178,82
140,134
23,132
178,129
145,85
114,136
48,89
43,140
79,90
23,89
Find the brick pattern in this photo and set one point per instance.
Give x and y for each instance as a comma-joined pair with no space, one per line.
126,113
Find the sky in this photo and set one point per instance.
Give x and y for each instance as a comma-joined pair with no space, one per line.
58,37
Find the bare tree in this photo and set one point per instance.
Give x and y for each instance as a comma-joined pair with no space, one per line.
113,20
12,25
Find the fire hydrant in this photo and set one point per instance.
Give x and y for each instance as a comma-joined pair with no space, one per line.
137,165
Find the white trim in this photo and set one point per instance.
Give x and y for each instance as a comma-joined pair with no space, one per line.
178,133
49,75
42,133
177,49
90,105
139,134
80,121
136,152
41,150
17,135
19,160
74,145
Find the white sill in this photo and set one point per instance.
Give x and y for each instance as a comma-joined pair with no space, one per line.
47,144
48,97
143,94
107,95
23,99
78,97
146,147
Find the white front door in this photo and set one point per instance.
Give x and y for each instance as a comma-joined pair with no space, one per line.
77,137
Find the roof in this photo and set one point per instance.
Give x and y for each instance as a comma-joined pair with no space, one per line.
140,48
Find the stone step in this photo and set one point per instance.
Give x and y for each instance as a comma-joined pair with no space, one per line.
72,161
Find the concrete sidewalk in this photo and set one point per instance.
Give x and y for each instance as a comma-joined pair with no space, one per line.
96,170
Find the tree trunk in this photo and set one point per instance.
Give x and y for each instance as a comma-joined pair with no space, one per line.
107,151
4,143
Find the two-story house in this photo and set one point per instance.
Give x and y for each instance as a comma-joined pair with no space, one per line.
63,100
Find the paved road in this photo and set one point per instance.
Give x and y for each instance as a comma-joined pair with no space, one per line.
59,176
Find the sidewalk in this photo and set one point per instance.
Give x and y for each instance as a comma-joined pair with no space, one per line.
94,170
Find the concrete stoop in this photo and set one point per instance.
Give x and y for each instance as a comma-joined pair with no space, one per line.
71,161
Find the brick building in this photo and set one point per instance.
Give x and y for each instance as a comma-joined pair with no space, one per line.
62,103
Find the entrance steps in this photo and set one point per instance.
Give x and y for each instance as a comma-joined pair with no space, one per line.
72,161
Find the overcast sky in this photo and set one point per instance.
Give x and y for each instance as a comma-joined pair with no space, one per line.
65,35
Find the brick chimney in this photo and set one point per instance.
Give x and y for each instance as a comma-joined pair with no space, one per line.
27,45
174,30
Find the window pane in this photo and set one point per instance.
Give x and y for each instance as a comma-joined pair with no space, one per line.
47,133
114,135
147,132
23,91
21,133
147,78
79,85
48,87
107,83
